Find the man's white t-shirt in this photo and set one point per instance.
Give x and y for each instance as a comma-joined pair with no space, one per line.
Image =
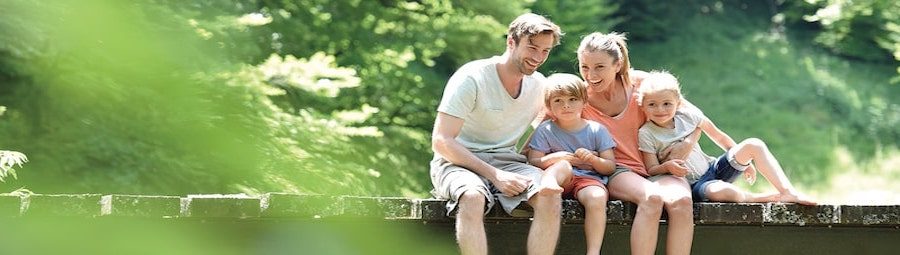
494,121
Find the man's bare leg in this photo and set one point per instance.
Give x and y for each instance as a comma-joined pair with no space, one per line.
544,232
470,223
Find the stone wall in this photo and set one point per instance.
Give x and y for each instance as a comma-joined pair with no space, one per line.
721,228
282,205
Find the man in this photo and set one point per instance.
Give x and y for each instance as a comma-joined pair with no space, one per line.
486,107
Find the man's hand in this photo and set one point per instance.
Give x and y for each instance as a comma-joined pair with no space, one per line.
510,184
675,167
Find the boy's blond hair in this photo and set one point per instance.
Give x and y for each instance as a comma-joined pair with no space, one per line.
657,81
564,84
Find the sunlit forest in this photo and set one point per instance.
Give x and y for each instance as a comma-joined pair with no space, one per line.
331,97
339,97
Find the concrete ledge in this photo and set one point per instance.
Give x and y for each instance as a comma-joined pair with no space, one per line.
140,206
278,205
378,207
793,214
729,213
220,206
62,205
300,206
870,215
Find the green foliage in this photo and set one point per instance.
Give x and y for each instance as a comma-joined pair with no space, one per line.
207,97
753,81
9,159
576,18
312,151
868,30
647,20
338,97
105,94
393,45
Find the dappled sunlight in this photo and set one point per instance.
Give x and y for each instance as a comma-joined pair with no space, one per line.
873,182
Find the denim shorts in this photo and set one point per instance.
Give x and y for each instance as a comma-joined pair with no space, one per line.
726,169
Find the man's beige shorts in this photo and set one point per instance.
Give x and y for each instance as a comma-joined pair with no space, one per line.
451,181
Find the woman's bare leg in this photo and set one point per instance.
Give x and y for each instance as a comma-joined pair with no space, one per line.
676,196
634,188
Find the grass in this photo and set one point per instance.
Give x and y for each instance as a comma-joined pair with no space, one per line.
830,121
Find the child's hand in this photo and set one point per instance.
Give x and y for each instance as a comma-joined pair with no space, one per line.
676,167
750,174
585,154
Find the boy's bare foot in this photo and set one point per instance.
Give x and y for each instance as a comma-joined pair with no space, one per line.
793,197
549,188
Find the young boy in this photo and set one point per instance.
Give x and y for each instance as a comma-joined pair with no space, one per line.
710,178
569,143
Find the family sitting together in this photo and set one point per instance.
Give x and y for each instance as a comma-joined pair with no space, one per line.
612,133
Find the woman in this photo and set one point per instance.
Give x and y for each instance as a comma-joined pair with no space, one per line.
612,91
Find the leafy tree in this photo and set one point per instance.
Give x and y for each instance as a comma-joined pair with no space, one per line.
868,29
207,96
577,18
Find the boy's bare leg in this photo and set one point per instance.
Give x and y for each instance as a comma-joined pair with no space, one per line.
757,151
633,188
544,231
554,176
594,199
470,223
676,196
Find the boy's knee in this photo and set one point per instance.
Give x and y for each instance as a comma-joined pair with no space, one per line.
594,199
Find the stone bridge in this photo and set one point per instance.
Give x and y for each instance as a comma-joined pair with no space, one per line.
721,228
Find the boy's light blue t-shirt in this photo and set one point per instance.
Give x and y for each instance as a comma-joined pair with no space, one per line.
549,138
